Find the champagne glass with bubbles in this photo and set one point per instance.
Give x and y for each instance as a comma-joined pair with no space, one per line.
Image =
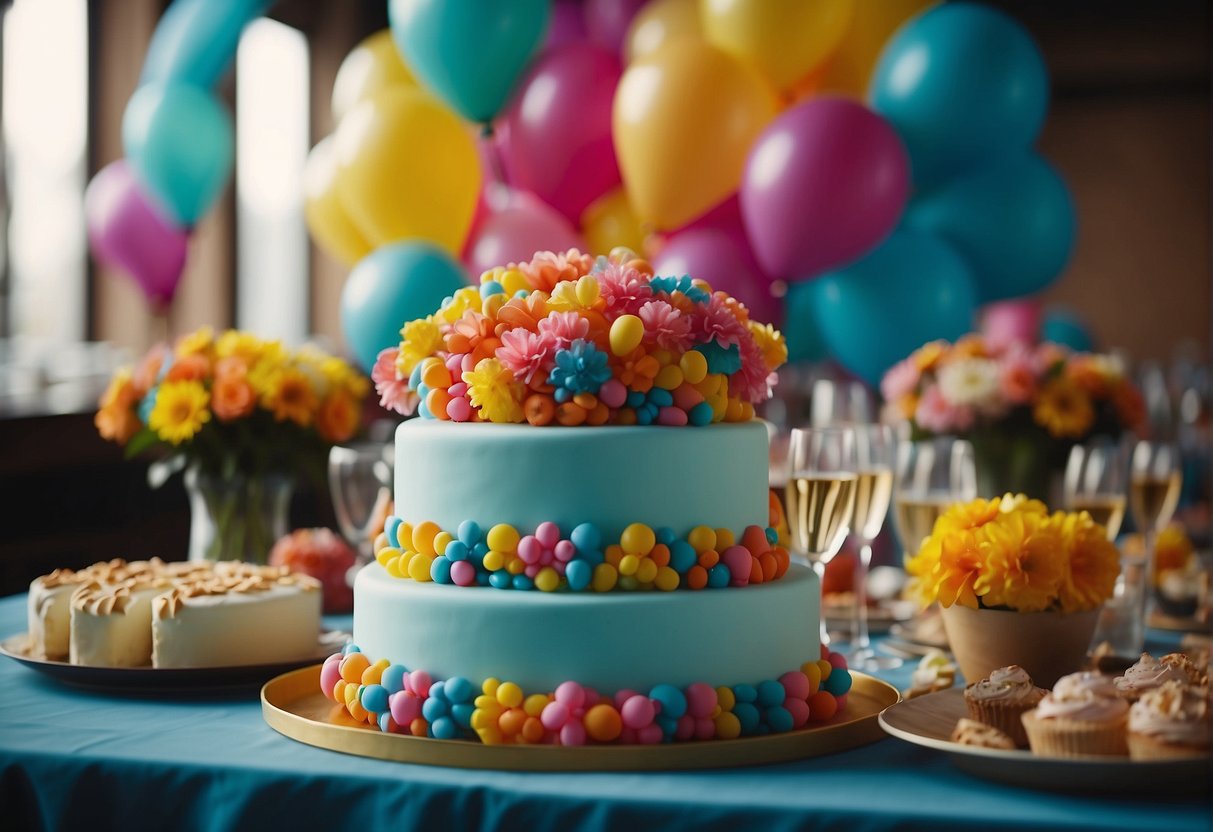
875,457
1095,482
930,475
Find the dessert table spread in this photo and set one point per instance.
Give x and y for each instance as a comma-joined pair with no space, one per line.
70,757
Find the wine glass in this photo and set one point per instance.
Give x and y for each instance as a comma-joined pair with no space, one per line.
822,479
835,402
929,476
1095,483
875,456
360,484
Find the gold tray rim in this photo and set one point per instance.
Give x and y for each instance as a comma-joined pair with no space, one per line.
282,695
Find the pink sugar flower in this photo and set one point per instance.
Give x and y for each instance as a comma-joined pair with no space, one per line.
563,328
900,380
393,389
1017,377
935,414
623,289
527,354
665,326
716,321
753,382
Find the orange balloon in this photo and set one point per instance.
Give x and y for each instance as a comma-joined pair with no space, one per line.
873,22
658,23
332,229
609,221
684,120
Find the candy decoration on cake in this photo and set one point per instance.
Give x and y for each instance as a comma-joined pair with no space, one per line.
568,339
399,701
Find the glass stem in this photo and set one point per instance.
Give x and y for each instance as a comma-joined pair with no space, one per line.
820,568
860,639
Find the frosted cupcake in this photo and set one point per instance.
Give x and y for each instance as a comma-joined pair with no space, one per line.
1149,673
1002,699
1169,722
1083,715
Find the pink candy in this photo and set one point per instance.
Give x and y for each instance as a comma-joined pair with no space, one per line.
739,561
404,707
548,534
638,711
795,684
418,683
673,417
701,699
565,551
613,393
459,409
463,573
573,733
799,709
571,694
837,660
530,549
330,673
555,715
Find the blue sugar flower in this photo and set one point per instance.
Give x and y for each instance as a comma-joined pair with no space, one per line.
582,368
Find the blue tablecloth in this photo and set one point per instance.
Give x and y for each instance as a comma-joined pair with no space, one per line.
72,759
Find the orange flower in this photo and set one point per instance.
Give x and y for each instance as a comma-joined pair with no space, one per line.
523,312
290,396
970,346
1085,372
232,397
956,574
1026,561
193,366
338,417
548,268
928,356
1063,409
474,333
1172,550
116,419
1094,562
638,369
149,368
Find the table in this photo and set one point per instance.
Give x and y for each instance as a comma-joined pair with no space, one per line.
71,759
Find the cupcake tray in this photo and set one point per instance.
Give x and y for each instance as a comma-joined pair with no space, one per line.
293,705
928,721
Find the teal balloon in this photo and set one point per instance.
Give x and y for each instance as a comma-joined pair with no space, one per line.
195,40
469,53
800,329
1064,326
964,85
871,314
1013,222
178,139
392,285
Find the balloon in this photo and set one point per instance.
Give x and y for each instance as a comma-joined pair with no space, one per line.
683,121
559,127
371,66
609,221
567,25
713,256
1011,322
726,218
824,183
964,85
393,285
469,52
125,230
407,168
784,39
607,21
1014,222
514,233
872,23
178,139
1065,326
331,226
658,23
800,329
195,41
873,313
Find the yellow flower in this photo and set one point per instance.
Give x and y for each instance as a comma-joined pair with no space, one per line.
929,355
289,395
261,373
967,516
493,389
970,346
1021,502
959,568
1094,562
1064,409
770,341
421,338
180,411
1025,562
199,342
236,344
465,299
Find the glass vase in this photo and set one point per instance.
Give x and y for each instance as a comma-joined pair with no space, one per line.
1017,464
238,517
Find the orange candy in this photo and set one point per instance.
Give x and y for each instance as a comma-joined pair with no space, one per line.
756,573
586,401
754,538
570,414
352,667
770,566
532,730
697,577
512,721
660,555
709,558
539,409
822,706
436,401
614,554
603,723
782,560
418,727
599,415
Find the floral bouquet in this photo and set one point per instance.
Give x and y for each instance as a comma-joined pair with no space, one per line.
569,339
1022,408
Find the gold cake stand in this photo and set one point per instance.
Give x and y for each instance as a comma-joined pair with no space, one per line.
293,705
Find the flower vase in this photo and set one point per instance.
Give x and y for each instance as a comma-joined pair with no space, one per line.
1048,645
1016,463
238,517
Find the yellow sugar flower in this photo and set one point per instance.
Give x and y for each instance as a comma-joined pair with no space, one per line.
464,300
1025,562
575,295
199,342
771,342
493,389
290,396
1094,562
1064,409
180,411
420,338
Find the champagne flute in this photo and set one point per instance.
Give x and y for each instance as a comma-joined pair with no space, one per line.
836,402
930,475
821,488
875,454
1095,483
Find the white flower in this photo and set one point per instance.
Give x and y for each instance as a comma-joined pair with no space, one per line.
971,382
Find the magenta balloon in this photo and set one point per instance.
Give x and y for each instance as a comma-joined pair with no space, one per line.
126,231
712,255
724,217
559,127
607,21
1011,322
567,24
514,233
823,185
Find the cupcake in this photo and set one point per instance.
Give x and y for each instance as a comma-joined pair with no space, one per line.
1002,699
972,732
1083,715
1150,673
1170,722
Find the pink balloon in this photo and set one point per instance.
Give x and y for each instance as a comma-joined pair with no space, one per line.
1011,322
711,255
516,231
823,185
125,230
725,217
559,127
607,21
567,24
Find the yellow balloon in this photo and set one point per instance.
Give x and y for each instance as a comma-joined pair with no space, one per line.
407,167
371,66
684,119
332,229
658,23
873,22
783,39
609,221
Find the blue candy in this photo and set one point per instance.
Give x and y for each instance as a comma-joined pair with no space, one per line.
673,701
469,533
700,415
482,579
479,551
779,718
635,398
374,698
384,719
665,535
660,397
748,716
523,582
444,728
415,377
433,710
770,693
593,557
838,682
463,714
644,416
390,527
393,677
457,550
440,570
350,648
745,693
772,536
578,573
490,288
682,556
500,579
667,724
719,576
586,537
438,691
459,689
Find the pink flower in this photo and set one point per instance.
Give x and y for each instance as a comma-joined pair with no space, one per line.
526,353
935,414
717,322
753,382
563,328
1017,376
623,289
393,389
666,327
900,380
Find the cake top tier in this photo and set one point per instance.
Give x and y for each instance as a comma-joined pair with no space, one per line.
570,339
